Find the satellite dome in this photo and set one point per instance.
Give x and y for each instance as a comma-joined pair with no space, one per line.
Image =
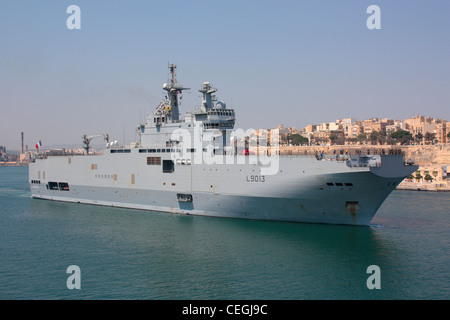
221,105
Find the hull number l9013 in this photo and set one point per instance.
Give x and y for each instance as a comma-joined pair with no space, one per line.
256,178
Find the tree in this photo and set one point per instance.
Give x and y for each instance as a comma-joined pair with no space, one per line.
418,176
402,136
428,177
333,138
388,138
297,139
361,137
419,137
382,137
430,136
373,136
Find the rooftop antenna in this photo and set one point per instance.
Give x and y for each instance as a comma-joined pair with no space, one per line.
173,80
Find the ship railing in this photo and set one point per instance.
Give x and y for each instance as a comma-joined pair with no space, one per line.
61,154
327,157
351,161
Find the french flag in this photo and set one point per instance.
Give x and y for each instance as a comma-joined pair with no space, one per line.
38,145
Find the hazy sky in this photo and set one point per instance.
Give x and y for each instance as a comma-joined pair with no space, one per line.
290,62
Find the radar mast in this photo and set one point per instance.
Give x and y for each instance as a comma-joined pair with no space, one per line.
173,89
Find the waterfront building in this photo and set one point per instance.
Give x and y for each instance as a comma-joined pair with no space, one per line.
442,130
431,177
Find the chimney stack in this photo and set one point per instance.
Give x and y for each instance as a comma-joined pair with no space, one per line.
22,140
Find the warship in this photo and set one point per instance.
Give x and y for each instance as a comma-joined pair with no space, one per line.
202,165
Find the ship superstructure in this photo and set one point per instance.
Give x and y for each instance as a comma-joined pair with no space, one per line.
196,166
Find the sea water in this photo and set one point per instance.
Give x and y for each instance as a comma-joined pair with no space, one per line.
132,254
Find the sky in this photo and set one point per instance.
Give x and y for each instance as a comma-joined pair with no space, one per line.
275,62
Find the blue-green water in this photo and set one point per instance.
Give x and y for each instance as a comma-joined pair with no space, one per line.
130,254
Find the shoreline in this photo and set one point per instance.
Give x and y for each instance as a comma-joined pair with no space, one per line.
423,186
13,164
424,190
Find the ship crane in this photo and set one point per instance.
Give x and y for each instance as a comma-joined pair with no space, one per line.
87,140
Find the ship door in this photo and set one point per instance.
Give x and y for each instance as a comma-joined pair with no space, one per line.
168,166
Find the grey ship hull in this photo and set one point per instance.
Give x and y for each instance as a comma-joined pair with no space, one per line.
161,171
303,190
